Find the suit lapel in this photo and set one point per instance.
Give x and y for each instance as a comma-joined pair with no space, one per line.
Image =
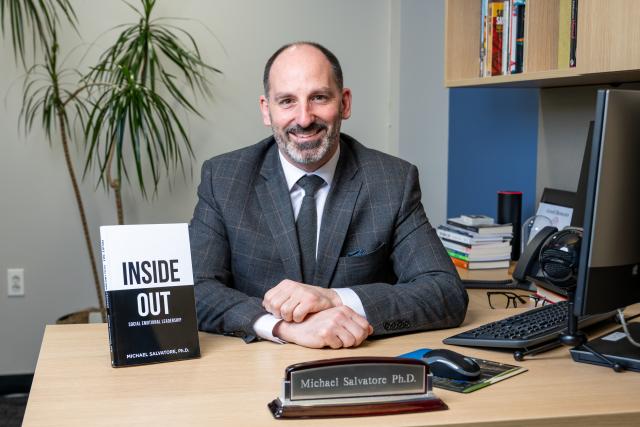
275,202
337,215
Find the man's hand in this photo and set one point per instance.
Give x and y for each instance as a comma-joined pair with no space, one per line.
293,301
335,327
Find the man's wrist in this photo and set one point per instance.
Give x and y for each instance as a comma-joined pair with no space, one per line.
335,299
279,330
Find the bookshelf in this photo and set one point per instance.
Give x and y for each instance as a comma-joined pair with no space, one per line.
608,45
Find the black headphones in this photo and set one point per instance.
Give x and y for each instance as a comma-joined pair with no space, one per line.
559,256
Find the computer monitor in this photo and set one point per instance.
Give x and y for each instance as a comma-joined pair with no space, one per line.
608,272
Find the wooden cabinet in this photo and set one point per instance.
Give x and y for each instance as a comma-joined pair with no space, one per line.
608,45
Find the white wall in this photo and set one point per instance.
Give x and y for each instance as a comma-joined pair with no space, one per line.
423,124
39,226
562,134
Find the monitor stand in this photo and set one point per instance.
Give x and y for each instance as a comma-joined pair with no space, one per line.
573,337
614,346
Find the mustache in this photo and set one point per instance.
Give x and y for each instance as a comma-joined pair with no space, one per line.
312,128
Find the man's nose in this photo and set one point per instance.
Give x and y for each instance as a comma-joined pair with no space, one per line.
305,115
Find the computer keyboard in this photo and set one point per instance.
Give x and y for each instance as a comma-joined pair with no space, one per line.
531,328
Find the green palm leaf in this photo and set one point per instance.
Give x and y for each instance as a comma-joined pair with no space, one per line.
35,20
135,119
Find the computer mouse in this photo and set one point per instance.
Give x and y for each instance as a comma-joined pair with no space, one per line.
449,364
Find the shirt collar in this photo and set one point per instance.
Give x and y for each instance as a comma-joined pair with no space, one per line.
292,174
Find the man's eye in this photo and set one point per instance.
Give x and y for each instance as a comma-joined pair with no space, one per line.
320,98
285,102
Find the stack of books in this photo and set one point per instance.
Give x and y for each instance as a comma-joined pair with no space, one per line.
475,242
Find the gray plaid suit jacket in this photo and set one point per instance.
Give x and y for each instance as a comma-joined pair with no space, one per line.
374,238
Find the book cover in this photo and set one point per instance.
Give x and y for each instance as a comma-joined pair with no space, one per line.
148,281
475,219
490,373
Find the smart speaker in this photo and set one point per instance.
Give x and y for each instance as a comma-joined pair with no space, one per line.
510,211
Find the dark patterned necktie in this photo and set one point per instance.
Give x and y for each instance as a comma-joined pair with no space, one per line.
307,225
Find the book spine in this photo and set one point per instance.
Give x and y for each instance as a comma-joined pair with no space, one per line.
506,28
496,38
483,35
460,263
489,40
108,305
471,228
513,30
574,33
443,234
520,7
458,255
564,33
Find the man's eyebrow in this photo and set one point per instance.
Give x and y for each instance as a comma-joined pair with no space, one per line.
280,95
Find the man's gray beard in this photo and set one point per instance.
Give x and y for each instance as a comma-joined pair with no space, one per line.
307,152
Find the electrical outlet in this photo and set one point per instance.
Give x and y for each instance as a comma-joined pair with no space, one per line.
15,282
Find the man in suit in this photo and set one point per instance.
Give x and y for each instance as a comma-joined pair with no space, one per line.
308,236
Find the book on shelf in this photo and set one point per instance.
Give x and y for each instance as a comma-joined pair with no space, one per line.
520,7
513,30
480,265
497,28
482,229
483,36
573,40
564,33
506,21
148,281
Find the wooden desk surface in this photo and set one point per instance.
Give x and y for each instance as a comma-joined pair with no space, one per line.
232,383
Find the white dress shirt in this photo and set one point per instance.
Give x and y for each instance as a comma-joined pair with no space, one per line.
265,324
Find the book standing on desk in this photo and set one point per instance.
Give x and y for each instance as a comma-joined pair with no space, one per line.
148,282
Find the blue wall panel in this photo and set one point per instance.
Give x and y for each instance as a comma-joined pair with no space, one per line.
492,146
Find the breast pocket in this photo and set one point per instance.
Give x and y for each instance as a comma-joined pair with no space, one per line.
359,269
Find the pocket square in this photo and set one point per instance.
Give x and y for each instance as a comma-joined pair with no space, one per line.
357,252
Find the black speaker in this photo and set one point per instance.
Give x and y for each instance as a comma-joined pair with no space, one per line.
510,211
559,256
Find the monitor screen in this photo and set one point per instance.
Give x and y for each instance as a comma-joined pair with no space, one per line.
608,276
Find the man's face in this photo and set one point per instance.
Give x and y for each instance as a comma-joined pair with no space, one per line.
305,107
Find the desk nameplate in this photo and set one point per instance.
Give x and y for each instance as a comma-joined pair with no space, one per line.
355,386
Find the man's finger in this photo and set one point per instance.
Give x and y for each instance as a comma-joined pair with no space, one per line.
356,330
346,337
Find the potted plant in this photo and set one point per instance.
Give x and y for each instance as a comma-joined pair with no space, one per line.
126,103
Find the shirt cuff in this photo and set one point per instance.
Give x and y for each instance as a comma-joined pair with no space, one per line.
264,328
351,300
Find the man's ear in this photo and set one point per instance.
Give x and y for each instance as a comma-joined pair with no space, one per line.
264,109
346,103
